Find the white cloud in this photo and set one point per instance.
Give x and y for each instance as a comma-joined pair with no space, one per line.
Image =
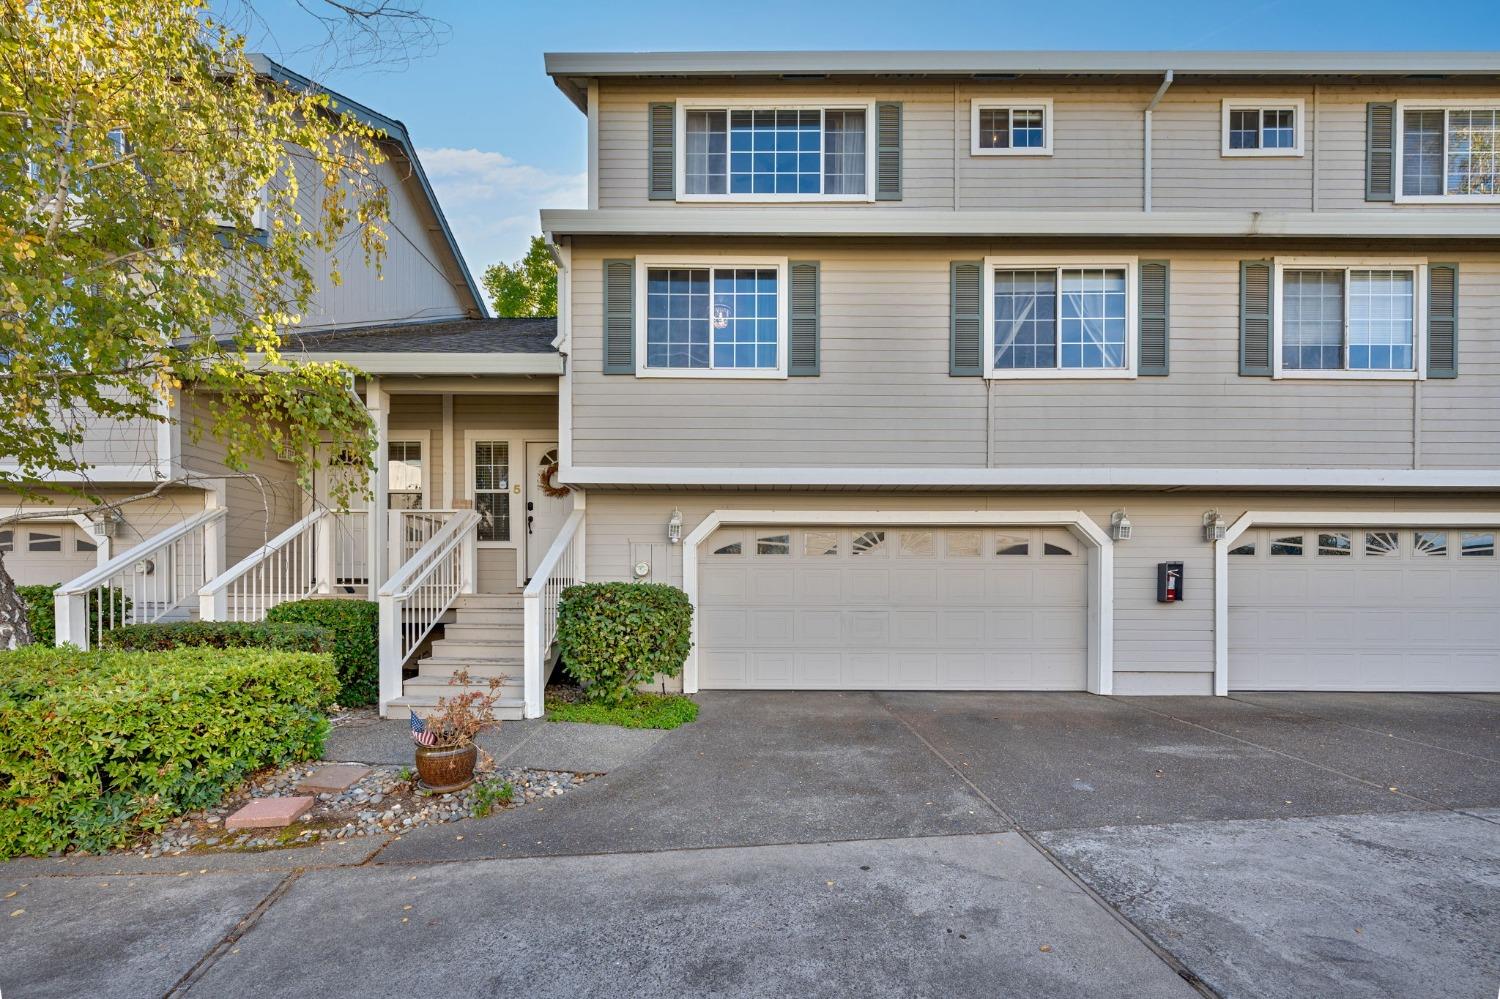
491,201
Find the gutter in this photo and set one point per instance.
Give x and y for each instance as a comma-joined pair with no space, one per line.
1161,91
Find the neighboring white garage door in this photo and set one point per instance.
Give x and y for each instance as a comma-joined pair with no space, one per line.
892,608
1330,608
49,552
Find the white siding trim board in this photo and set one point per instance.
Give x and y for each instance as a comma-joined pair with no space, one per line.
1303,518
1100,548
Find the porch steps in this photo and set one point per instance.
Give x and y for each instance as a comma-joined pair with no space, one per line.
484,637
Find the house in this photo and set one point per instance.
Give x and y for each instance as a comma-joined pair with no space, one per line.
1127,372
1134,373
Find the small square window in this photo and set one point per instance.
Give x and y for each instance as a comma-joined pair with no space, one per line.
1289,544
1247,548
1015,130
868,543
963,544
1478,543
43,541
1434,543
916,544
729,543
1335,543
1381,543
819,543
1012,544
1261,130
773,544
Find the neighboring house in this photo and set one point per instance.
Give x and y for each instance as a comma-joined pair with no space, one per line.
1136,373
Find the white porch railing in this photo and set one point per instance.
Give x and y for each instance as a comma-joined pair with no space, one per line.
149,582
294,565
560,568
411,529
420,592
351,547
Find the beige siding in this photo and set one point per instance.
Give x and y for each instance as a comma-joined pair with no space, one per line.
1159,648
885,399
1097,142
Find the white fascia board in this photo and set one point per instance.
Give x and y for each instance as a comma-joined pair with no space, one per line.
832,222
980,478
95,475
395,363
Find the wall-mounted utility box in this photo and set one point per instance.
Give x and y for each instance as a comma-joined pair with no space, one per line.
1168,582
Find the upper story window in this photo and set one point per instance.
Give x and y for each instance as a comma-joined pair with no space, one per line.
1050,320
1448,153
711,318
775,153
1019,129
1262,128
1348,321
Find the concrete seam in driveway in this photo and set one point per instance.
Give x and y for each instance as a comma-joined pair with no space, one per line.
218,950
1431,805
1166,957
1361,728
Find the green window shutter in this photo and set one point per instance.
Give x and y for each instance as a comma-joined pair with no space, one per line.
1380,151
966,319
619,317
802,348
888,151
661,156
1256,309
1153,305
1442,321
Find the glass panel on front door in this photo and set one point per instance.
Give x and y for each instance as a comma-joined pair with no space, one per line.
492,489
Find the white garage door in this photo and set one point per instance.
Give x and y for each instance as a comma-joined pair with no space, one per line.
47,552
1331,608
892,608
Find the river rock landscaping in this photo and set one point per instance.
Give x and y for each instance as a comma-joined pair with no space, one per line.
383,802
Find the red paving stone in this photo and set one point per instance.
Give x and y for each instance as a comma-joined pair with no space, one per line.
269,813
333,777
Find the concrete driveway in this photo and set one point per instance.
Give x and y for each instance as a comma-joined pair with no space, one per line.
861,844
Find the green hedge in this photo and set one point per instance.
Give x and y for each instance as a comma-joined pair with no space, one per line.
616,636
41,611
97,747
356,641
283,636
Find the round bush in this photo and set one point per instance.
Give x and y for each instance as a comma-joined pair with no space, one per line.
356,641
617,636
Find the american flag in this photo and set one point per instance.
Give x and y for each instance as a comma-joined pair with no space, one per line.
419,733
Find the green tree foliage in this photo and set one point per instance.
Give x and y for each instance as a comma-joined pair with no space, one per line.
527,287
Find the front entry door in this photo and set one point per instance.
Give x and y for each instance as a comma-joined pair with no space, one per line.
544,513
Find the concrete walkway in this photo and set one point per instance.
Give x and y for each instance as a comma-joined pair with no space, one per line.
871,844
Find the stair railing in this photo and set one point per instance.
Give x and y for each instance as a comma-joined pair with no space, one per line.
294,565
560,568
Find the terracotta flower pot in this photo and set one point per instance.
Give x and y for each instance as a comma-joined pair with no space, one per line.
448,768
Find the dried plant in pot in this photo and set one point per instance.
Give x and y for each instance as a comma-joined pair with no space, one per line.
446,753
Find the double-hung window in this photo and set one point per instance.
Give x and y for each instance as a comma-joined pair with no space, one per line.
492,487
1262,128
718,318
1021,129
776,153
1048,319
1348,320
1448,153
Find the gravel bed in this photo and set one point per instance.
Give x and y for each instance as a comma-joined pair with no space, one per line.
383,802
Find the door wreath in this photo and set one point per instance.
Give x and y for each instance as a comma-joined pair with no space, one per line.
547,479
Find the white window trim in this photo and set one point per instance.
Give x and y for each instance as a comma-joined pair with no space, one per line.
517,497
1043,104
1418,266
644,264
1294,104
679,150
424,439
1400,128
992,264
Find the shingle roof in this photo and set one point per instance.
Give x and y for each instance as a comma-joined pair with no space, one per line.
448,336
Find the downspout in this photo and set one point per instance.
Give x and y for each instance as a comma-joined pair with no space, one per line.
1166,81
562,256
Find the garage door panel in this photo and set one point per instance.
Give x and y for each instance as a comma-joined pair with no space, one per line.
819,628
723,586
770,584
771,669
867,669
914,670
727,625
864,627
818,585
1414,615
964,627
962,586
818,669
1058,586
867,586
914,585
723,669
919,628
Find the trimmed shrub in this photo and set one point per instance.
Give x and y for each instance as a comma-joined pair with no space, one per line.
285,637
356,641
617,636
41,611
97,747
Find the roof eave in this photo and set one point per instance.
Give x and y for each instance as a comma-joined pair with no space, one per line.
434,363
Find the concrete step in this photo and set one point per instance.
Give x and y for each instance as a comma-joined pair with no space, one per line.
471,631
496,651
509,708
439,686
487,601
479,669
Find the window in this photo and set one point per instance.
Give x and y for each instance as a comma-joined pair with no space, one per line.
735,547
964,544
1382,543
1254,128
492,489
916,544
868,543
1057,543
1358,320
1069,320
1335,543
1477,543
1291,544
1434,543
773,544
1247,548
1012,544
770,154
818,543
85,545
1449,153
43,541
724,319
404,468
1011,129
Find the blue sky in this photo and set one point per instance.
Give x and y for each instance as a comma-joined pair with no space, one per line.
500,141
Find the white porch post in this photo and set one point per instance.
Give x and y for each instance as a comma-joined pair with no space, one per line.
215,535
378,403
327,529
71,617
